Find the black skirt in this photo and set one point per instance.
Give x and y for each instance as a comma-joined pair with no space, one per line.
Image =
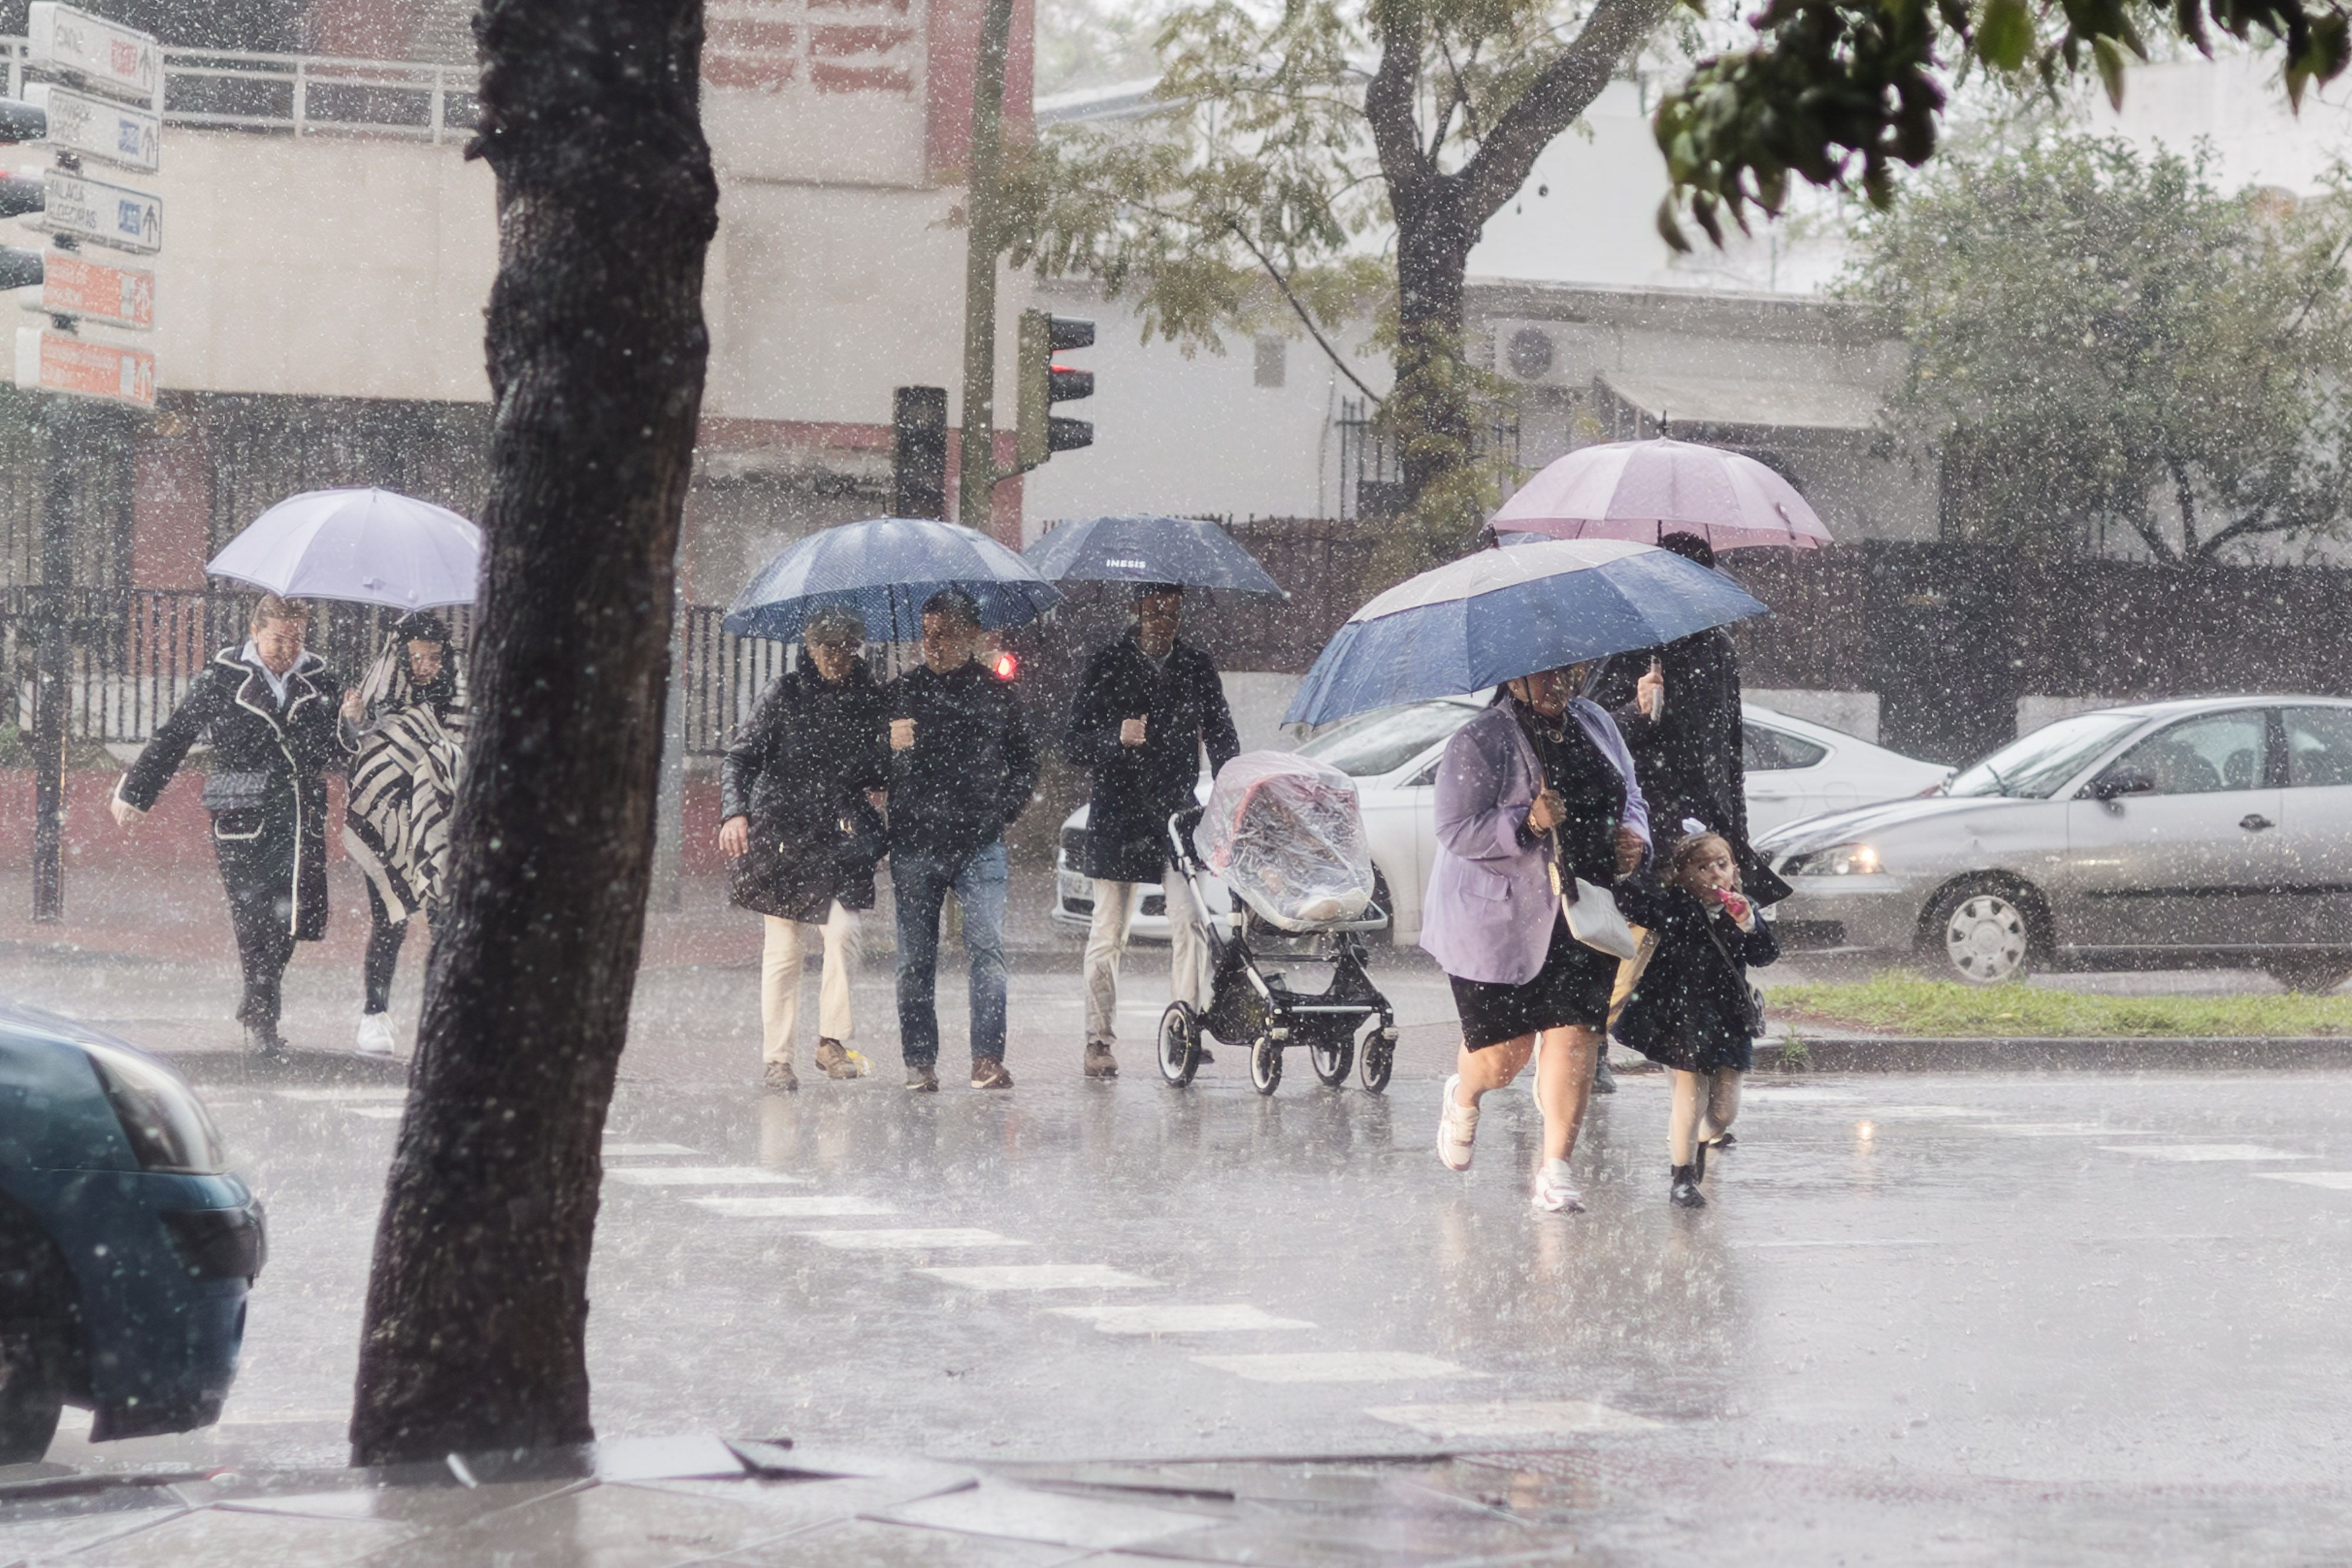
1571,990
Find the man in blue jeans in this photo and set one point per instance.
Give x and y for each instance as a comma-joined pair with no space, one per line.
961,768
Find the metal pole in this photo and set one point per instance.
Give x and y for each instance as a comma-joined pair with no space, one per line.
976,473
61,460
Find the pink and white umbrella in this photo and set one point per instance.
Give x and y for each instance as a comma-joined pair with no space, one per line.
1644,490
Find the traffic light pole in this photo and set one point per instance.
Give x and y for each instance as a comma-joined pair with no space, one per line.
976,472
61,458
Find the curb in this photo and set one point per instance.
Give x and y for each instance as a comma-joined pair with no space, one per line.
1886,1053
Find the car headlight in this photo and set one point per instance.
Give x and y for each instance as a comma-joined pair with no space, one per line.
1838,860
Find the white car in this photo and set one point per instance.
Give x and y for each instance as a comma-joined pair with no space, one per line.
1794,768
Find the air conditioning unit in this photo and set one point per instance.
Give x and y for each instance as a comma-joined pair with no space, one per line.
1551,353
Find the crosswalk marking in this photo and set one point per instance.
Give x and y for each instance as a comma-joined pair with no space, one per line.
2065,1130
795,1208
377,1113
910,1239
377,1092
2190,1154
1335,1367
702,1176
1238,1317
2336,1181
613,1151
1040,1277
1507,1419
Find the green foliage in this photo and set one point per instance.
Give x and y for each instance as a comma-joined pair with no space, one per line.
2101,337
1289,142
1840,91
1897,1003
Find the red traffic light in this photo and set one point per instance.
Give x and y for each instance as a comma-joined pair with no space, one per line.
1005,664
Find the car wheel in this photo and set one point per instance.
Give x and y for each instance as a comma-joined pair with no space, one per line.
36,1306
1984,934
2314,975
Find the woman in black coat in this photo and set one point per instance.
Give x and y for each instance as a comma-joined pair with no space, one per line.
1692,1010
795,817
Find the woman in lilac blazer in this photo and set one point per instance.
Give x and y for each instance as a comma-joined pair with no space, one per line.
1539,775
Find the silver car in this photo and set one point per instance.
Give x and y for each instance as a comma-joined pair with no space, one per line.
2215,830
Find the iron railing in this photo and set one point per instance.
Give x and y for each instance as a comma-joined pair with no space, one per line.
306,95
131,655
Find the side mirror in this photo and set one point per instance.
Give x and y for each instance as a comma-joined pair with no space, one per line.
2114,786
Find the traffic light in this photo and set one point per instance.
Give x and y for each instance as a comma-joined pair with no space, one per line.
1044,384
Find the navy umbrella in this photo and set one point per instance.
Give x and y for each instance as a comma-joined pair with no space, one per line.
884,569
1189,551
1498,614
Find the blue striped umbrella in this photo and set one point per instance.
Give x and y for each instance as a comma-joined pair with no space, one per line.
1498,614
884,569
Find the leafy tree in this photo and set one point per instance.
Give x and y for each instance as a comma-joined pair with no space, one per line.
1838,92
2100,336
1291,136
478,1300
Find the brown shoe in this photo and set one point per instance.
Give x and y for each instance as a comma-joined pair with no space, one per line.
1100,1063
833,1060
988,1072
781,1076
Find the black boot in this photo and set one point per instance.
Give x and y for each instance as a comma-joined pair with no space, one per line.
1698,1162
1683,1192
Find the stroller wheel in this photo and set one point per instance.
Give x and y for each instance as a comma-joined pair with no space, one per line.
1266,1063
1178,1045
1332,1058
1379,1056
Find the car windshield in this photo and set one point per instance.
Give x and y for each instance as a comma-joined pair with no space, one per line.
2033,766
1384,741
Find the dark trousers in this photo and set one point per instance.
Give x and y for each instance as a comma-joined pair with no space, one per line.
257,874
384,938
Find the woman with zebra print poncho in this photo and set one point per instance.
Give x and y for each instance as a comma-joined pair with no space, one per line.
402,787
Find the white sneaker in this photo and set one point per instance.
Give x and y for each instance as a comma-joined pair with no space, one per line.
1555,1194
375,1035
1457,1129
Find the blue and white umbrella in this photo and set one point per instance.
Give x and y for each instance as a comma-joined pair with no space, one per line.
884,569
1191,552
1498,614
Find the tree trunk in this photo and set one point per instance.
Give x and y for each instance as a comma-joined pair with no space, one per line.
1429,410
477,1304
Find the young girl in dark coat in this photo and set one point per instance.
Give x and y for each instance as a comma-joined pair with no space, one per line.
1690,1012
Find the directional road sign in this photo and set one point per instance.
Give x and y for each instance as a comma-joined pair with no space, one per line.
115,216
78,367
103,56
74,285
98,127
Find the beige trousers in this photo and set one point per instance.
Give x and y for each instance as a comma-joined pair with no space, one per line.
1188,951
780,980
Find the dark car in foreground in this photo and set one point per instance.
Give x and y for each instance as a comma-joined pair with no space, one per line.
2211,831
126,1246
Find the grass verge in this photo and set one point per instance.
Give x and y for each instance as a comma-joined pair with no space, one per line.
1907,1005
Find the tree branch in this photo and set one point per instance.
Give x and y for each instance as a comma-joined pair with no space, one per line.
1554,100
1388,108
2184,495
1305,320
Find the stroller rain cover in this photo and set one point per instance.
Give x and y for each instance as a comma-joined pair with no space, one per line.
1284,834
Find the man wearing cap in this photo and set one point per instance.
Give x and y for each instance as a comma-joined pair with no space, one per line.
1145,706
796,820
961,768
270,709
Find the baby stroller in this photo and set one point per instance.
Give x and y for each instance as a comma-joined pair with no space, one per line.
1284,835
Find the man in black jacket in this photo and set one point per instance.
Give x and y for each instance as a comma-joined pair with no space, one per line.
1145,707
795,818
962,768
270,711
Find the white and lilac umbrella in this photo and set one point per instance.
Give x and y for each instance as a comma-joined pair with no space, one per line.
1644,490
363,547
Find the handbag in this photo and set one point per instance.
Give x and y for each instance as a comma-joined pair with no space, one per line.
1593,917
1751,999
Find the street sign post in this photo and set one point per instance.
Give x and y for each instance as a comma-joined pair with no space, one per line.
103,56
115,216
82,367
75,286
97,127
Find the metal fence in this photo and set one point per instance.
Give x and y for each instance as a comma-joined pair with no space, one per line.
131,656
306,95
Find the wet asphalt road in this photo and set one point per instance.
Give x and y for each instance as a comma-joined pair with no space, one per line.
1935,1290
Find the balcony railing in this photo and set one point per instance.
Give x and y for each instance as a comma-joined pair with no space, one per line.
306,95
